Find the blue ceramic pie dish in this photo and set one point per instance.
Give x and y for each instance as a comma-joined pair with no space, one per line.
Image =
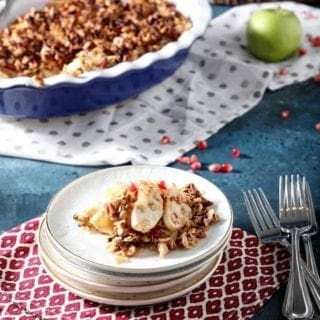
64,95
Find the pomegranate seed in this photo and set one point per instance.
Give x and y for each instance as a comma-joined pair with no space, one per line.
302,52
202,145
285,113
165,140
156,231
10,66
318,126
162,185
132,187
193,159
283,72
314,41
215,167
184,160
195,165
309,15
236,152
226,167
316,78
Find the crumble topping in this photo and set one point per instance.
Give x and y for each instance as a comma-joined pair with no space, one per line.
74,36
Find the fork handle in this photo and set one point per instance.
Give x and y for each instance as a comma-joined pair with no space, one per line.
297,303
311,262
313,284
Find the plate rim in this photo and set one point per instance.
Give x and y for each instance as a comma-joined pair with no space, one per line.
137,302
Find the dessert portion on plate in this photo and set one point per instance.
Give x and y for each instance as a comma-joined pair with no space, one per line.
75,36
153,215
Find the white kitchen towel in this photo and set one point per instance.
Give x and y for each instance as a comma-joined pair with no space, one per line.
219,82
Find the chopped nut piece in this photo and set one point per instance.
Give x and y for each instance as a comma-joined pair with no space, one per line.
162,249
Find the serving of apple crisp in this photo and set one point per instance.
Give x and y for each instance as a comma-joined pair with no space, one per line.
150,215
74,36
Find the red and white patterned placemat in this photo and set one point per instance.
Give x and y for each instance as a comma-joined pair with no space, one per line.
250,272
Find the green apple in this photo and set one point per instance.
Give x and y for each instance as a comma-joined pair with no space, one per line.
273,34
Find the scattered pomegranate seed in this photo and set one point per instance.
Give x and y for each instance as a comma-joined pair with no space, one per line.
132,187
302,52
202,145
318,126
226,167
194,159
162,185
283,72
184,160
285,113
314,41
214,167
236,152
165,140
316,78
309,15
195,165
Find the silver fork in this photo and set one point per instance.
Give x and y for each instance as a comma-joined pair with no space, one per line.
313,230
267,227
294,220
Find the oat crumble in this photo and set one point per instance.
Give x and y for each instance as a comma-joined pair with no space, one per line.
74,36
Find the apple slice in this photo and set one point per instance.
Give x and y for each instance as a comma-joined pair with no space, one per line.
148,209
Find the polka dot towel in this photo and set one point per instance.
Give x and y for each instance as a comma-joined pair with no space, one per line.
219,81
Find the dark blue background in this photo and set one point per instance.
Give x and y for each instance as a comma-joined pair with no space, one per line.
270,146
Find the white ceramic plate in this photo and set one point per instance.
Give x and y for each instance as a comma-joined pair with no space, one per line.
90,247
114,278
72,277
137,299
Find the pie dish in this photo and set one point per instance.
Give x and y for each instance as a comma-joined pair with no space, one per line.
64,95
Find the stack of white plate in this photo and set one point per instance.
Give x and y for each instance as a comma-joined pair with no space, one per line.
79,260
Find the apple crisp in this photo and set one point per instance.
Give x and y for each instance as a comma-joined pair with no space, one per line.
74,36
150,215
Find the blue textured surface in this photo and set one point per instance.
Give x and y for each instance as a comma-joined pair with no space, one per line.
270,146
67,98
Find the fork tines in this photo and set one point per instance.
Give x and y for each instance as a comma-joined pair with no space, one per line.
292,200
